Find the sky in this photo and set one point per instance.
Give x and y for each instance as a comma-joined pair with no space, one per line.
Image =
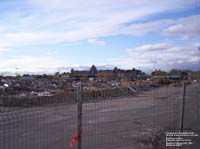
44,36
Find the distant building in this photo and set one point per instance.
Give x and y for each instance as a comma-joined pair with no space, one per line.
27,78
115,71
178,74
66,76
115,74
72,73
78,74
194,75
93,71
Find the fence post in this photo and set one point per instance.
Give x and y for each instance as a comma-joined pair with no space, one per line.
79,97
198,102
182,111
182,108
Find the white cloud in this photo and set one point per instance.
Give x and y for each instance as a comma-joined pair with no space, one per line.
3,49
184,38
4,46
49,21
197,44
37,22
41,65
159,55
96,42
143,28
185,27
27,63
93,30
151,47
1,29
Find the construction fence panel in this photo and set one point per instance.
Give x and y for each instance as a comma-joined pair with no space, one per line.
48,124
124,119
114,118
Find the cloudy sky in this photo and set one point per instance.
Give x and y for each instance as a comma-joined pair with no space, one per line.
48,35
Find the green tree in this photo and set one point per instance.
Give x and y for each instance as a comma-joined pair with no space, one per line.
158,73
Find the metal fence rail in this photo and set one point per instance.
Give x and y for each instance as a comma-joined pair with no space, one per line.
109,118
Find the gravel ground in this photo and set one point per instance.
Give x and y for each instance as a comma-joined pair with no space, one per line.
128,123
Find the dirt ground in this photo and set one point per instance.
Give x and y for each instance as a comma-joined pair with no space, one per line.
128,123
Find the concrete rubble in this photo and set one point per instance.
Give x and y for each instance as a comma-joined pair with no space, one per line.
64,86
45,87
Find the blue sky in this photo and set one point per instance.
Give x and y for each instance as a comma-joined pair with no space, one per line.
48,36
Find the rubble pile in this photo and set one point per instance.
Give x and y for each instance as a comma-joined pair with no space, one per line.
139,85
40,91
33,87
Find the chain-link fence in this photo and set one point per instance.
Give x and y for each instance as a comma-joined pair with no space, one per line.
115,118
